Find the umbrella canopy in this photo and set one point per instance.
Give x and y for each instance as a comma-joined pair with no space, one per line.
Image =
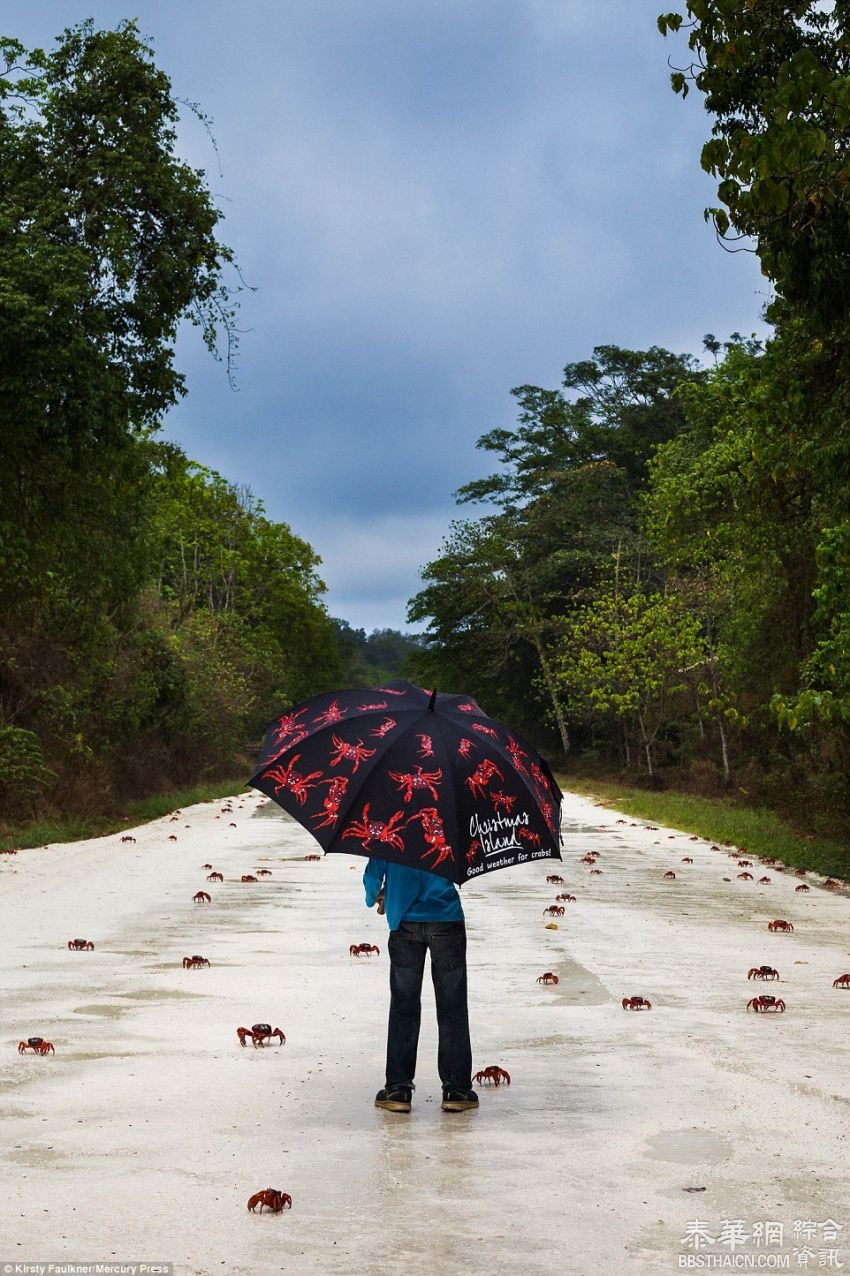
415,777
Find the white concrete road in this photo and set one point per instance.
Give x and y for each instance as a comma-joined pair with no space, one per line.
143,1136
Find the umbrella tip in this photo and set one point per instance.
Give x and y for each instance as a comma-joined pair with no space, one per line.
431,701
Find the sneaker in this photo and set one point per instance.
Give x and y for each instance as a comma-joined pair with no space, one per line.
394,1099
459,1100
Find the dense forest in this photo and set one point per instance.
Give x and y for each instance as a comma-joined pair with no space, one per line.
152,617
659,583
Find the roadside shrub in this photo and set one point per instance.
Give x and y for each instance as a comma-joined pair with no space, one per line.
23,773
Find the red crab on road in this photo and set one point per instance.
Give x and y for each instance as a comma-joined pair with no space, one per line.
493,1076
364,950
272,1198
410,782
260,1034
201,897
263,872
767,1003
195,963
554,910
763,881
571,899
215,877
801,887
669,876
37,1044
547,978
78,945
248,877
746,877
780,924
687,860
636,1003
843,981
554,880
762,972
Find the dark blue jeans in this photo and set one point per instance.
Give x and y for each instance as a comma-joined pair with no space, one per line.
408,945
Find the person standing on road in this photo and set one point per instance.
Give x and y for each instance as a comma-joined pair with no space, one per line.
424,914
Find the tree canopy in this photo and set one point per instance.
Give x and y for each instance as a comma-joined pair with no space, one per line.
152,616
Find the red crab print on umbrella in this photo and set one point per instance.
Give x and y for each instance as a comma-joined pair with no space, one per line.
420,778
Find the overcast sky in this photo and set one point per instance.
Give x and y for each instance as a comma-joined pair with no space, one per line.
436,200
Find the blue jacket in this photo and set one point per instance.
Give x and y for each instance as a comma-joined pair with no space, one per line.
411,895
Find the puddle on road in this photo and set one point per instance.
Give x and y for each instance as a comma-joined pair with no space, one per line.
543,1043
273,811
688,1147
585,829
577,985
36,1158
112,1010
160,994
106,1011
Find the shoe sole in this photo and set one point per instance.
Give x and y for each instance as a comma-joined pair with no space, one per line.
458,1105
391,1105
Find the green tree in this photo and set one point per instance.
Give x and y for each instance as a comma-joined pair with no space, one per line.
250,579
617,408
107,241
567,516
626,657
776,79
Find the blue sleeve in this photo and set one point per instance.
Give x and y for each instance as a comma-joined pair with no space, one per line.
373,880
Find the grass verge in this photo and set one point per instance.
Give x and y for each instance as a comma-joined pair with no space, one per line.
42,832
761,831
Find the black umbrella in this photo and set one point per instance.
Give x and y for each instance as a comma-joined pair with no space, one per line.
415,777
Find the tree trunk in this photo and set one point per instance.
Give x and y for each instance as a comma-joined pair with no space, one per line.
549,679
721,725
548,676
647,745
724,750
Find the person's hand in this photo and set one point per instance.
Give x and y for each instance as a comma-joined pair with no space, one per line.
380,903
